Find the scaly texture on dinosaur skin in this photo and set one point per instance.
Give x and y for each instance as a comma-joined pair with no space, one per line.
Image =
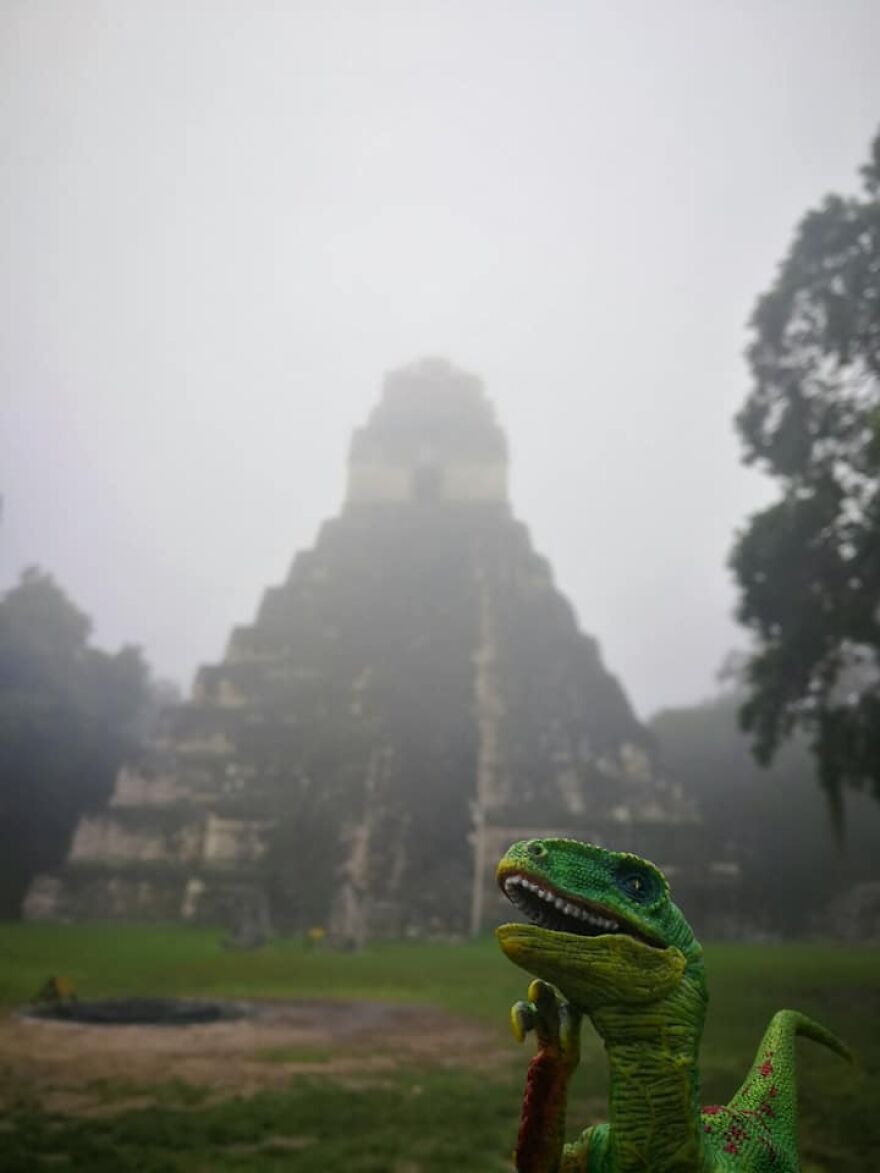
606,941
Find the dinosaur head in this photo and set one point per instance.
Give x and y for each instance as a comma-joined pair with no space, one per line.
602,927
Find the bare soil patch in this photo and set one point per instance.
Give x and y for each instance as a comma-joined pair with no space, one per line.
73,1067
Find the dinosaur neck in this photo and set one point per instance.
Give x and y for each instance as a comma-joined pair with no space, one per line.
654,1097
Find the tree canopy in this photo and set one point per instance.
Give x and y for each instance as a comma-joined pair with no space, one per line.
69,715
808,566
772,822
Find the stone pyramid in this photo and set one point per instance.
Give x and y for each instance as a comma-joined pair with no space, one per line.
415,695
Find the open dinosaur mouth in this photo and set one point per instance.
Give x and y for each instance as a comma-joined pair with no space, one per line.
564,914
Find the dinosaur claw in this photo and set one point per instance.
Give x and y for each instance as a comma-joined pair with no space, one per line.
522,1019
543,999
542,994
569,1029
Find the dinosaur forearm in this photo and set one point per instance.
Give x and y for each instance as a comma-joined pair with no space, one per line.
541,1139
540,1145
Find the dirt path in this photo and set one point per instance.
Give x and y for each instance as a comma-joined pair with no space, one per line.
70,1067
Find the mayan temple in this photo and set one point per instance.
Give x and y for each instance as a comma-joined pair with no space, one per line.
414,696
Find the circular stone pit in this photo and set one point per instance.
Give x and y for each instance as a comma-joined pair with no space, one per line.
140,1012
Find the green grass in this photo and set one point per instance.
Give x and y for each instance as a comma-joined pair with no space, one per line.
402,1125
105,962
421,1120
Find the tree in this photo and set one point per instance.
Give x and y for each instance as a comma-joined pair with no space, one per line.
808,567
770,821
69,715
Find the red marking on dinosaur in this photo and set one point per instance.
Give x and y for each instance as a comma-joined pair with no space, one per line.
768,1146
542,1101
766,1068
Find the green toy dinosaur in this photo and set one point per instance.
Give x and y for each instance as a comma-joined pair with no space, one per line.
607,936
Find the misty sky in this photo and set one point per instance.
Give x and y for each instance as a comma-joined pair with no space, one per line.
222,222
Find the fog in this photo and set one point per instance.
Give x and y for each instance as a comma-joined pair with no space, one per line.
223,222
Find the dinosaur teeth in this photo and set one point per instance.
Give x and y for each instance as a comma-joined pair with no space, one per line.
549,911
525,893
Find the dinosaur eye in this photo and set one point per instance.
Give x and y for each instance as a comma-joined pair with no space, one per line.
636,885
536,850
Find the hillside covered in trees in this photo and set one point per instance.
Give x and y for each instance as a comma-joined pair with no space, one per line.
774,821
69,715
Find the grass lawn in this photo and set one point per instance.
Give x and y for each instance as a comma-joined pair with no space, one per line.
417,1118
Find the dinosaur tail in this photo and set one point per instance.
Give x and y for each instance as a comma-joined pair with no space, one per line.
770,1089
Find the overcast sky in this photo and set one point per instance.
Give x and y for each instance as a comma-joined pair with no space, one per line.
222,222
